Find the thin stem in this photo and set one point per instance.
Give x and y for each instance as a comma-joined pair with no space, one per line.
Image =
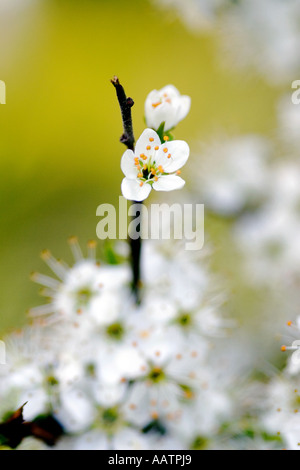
127,138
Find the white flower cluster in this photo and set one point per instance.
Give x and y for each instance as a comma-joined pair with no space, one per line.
264,34
282,403
232,174
116,375
154,164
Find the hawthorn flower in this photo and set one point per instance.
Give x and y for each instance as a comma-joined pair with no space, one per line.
166,106
153,165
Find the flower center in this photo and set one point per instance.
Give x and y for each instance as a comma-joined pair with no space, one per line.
115,331
156,374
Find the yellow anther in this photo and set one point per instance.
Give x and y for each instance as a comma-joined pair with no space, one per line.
153,171
140,175
283,348
166,138
154,105
289,323
169,156
188,394
145,167
45,254
165,150
148,147
156,148
151,139
154,415
178,172
155,178
141,183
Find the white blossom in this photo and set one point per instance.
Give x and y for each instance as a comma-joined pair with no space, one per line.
166,106
152,165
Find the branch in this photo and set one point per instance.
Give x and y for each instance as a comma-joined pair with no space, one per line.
126,104
127,139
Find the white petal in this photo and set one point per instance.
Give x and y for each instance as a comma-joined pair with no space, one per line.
166,113
170,90
146,143
168,183
179,151
132,190
127,164
185,106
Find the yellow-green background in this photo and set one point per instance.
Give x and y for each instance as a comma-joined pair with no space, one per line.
59,148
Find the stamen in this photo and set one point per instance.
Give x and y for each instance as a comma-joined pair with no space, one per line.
92,244
53,264
75,248
41,310
45,281
165,150
169,156
151,139
166,138
148,147
156,148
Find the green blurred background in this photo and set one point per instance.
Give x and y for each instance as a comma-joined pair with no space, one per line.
60,128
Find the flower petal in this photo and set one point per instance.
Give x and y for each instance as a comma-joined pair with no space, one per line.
132,190
172,155
127,165
170,90
168,183
185,106
146,143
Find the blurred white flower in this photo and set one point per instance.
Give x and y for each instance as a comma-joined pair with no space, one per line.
166,106
152,165
85,293
232,173
269,237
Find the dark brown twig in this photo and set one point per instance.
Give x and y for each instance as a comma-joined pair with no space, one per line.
126,104
127,139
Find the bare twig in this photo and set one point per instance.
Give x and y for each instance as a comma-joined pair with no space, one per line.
127,139
126,104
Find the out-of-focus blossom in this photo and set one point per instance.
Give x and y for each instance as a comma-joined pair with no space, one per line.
232,173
